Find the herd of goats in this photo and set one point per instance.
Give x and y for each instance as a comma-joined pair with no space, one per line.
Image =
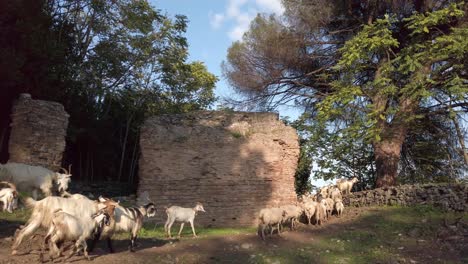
75,217
320,207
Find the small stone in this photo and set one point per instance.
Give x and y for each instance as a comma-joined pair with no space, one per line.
400,248
246,246
399,234
328,251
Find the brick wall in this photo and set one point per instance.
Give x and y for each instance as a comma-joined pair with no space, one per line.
233,163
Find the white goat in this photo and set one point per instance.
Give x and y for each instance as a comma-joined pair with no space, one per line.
294,213
310,210
183,215
323,207
339,207
329,206
345,186
321,213
269,217
34,178
67,227
43,213
9,197
335,193
125,219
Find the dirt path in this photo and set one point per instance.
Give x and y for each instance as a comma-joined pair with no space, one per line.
330,243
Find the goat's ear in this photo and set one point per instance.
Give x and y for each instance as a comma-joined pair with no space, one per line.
101,199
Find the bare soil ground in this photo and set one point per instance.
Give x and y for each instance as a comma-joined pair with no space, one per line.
361,235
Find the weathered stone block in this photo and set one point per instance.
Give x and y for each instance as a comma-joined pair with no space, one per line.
38,131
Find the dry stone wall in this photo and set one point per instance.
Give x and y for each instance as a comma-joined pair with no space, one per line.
450,197
234,163
38,131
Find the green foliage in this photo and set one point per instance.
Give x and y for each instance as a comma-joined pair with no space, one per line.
304,167
112,64
365,80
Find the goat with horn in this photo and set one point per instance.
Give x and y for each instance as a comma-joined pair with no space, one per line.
30,178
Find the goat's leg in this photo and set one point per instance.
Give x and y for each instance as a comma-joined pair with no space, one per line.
109,245
132,242
169,226
166,226
263,231
181,228
72,251
34,194
85,249
193,229
26,231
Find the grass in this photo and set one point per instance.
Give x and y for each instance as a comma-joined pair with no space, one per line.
21,215
378,235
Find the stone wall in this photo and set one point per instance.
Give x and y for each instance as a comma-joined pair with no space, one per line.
233,163
38,131
450,197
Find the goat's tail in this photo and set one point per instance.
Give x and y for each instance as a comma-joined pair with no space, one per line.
30,202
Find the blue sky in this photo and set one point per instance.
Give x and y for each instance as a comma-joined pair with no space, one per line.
213,26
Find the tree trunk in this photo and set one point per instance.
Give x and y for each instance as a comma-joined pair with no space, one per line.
387,157
124,148
461,139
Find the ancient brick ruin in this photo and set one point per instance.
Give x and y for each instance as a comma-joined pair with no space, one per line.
234,163
38,131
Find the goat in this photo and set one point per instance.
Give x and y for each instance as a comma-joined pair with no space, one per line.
335,193
43,213
339,207
294,212
324,207
181,214
67,227
34,178
9,197
269,217
321,212
125,219
310,210
345,186
329,205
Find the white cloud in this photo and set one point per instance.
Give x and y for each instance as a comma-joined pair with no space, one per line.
241,13
216,20
241,26
270,6
233,8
